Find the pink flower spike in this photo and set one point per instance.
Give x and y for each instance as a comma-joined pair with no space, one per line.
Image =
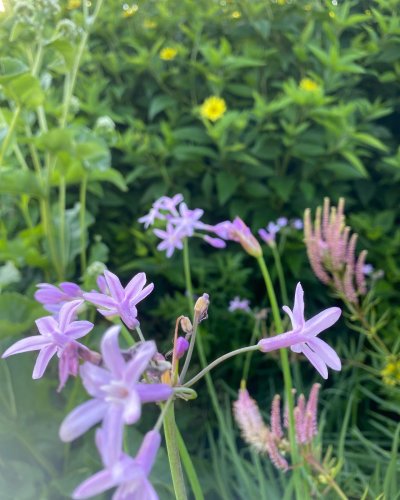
121,301
303,337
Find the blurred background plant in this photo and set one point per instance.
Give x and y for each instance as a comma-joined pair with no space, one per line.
251,108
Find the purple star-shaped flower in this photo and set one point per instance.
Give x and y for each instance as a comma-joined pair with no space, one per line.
57,336
121,301
130,475
238,231
304,336
188,220
116,391
238,304
53,297
171,238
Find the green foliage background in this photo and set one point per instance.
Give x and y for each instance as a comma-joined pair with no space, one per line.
277,150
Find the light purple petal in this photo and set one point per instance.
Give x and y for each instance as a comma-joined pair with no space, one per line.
146,491
150,393
138,364
42,360
47,325
135,285
107,313
67,313
326,352
99,482
82,418
78,329
289,312
114,285
99,299
316,361
111,352
48,294
112,435
141,295
93,378
29,344
132,408
322,321
71,289
281,341
148,450
298,308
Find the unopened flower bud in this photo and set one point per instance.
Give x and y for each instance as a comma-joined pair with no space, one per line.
201,307
186,325
181,346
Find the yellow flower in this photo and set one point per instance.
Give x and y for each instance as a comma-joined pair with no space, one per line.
168,53
213,108
332,15
129,11
236,14
149,24
73,4
309,85
391,373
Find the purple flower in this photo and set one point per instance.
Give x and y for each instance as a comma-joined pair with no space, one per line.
239,232
171,238
187,220
268,235
151,217
238,304
304,336
116,391
282,222
297,224
57,336
53,297
181,346
121,301
167,203
130,475
367,269
214,242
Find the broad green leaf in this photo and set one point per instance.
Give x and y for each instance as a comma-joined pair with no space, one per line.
11,68
355,161
25,90
370,141
19,182
227,185
17,313
110,175
159,104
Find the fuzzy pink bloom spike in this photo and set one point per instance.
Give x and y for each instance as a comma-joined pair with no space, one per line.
276,427
273,453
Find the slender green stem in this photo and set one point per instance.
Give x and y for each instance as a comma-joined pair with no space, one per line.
171,441
164,409
286,377
61,208
82,222
247,360
281,276
189,468
218,361
190,351
188,276
139,332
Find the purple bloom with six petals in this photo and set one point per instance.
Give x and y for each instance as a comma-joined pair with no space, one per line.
121,301
171,238
116,391
130,475
57,336
304,336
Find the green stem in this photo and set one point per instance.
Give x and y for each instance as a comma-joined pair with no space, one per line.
286,378
220,360
82,212
189,468
247,360
188,277
61,208
171,441
281,276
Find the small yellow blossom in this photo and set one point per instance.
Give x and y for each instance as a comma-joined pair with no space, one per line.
213,108
129,11
332,15
149,24
309,85
74,4
391,373
281,2
236,14
168,53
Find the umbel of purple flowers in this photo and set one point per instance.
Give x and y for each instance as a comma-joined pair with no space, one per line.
119,383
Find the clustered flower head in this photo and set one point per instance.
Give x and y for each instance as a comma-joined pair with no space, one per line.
331,249
271,439
180,223
391,372
268,234
168,53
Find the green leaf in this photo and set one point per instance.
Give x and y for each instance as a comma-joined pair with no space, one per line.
19,182
17,313
25,90
370,141
355,161
10,68
160,103
110,175
227,184
8,274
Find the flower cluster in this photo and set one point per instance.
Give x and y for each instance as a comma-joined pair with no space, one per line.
238,304
268,234
116,381
271,439
331,250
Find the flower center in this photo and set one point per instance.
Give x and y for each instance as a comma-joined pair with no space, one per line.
116,391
